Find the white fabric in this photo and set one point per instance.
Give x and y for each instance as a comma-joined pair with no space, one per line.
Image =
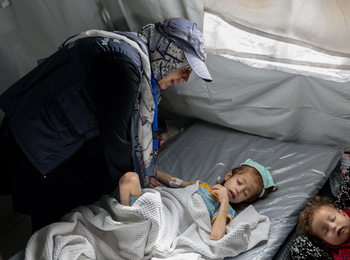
100,33
269,35
175,182
162,224
323,24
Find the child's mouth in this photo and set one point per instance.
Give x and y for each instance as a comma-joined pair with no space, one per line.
232,194
340,230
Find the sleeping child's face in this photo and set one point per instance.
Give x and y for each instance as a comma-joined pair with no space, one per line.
331,225
241,187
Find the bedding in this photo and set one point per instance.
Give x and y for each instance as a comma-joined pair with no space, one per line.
163,223
206,152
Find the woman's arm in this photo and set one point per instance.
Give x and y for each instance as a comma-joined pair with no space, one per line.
165,178
218,229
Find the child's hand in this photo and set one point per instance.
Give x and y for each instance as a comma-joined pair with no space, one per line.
221,192
153,183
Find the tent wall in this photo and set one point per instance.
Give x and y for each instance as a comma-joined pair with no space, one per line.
322,24
288,106
296,87
32,30
269,103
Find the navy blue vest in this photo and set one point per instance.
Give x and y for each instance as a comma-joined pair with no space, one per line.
51,109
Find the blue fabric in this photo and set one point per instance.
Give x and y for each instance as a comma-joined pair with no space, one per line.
165,56
213,205
184,34
56,99
155,118
265,174
189,38
132,199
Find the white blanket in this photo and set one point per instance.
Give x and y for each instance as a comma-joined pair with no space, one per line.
163,223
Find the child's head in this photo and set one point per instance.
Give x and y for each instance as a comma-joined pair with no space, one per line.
322,220
248,182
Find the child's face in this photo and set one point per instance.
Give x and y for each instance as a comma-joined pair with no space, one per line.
331,225
241,187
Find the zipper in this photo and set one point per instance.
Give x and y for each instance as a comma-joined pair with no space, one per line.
88,105
68,61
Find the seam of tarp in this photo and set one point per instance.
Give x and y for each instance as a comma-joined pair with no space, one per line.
106,14
6,3
123,10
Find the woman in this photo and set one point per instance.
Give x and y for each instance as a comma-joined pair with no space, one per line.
84,116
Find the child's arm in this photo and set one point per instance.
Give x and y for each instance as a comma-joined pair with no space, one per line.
219,227
165,178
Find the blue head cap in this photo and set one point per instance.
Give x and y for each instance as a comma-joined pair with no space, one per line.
265,174
188,37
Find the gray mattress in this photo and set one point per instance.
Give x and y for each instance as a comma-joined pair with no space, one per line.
205,151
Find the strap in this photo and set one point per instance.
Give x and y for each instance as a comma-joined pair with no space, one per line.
155,117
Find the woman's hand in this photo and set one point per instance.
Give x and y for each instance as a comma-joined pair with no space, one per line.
153,183
221,192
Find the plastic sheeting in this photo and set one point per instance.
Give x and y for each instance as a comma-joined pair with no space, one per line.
33,30
321,24
269,103
206,151
282,35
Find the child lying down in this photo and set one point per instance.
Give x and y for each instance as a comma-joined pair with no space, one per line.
324,227
162,223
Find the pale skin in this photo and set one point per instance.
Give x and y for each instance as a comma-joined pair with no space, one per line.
175,76
331,225
236,189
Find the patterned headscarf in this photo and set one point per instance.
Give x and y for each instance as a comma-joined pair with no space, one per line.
165,56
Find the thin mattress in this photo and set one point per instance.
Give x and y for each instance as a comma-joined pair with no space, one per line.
207,152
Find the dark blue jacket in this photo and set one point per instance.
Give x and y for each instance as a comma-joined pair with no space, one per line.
52,110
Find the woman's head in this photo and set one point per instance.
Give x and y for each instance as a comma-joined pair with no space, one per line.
248,182
175,76
175,44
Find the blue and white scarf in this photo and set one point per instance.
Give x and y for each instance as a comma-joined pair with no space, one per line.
165,57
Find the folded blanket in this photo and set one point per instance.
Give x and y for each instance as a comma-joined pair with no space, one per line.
163,223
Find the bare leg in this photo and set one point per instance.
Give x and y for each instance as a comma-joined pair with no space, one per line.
129,184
